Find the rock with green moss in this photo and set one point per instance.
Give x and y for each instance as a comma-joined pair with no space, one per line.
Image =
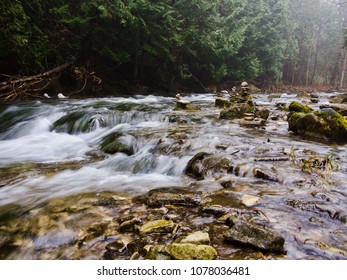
157,226
324,125
115,143
188,251
299,108
157,252
222,102
239,111
203,164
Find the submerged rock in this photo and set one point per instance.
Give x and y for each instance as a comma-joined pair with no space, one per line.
158,226
255,236
116,143
265,175
203,164
192,252
157,198
129,225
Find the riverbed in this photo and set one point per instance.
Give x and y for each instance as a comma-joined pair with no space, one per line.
61,197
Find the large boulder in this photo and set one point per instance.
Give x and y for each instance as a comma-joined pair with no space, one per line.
204,164
324,125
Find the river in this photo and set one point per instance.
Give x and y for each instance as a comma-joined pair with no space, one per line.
55,183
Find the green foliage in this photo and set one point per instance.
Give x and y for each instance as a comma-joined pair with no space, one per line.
194,42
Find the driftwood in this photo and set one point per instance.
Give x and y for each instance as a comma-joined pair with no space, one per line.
15,88
20,87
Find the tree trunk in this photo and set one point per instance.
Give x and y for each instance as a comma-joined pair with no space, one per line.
343,69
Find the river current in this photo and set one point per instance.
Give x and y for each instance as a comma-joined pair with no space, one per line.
45,161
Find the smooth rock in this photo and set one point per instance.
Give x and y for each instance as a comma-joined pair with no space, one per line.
157,198
204,164
198,237
255,236
157,226
250,200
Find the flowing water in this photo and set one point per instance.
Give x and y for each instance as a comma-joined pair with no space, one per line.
55,181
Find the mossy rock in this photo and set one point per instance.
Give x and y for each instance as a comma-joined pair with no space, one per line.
238,111
68,123
324,125
222,102
299,108
157,226
158,198
187,108
203,164
113,143
192,252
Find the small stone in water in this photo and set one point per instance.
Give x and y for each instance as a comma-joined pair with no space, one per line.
198,237
250,200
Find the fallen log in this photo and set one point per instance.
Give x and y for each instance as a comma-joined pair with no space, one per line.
18,87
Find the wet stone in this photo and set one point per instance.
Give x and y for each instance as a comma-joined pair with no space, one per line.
129,225
204,164
157,252
265,175
255,236
198,237
215,210
160,198
158,226
250,200
192,252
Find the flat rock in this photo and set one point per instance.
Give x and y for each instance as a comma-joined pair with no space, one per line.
187,251
157,226
255,236
158,198
198,237
250,200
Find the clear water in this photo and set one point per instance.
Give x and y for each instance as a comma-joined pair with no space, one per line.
39,163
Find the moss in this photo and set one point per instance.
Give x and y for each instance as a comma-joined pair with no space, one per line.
158,226
222,102
112,144
192,252
298,107
188,108
68,122
236,111
335,123
323,125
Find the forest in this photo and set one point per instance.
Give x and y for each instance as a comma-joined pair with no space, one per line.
105,47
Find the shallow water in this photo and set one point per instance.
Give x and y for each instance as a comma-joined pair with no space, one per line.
45,162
